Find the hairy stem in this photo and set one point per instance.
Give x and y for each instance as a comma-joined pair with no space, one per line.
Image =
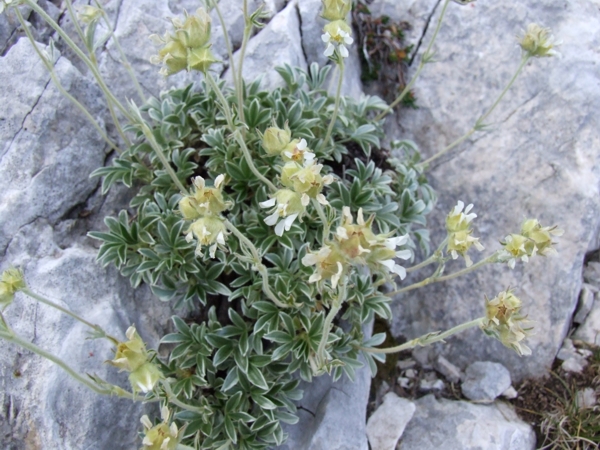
436,279
436,256
479,123
61,89
257,263
119,392
333,312
427,339
234,75
238,137
336,106
426,58
240,80
65,37
68,312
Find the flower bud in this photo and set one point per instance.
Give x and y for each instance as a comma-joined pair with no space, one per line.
504,322
89,14
188,207
537,41
145,377
130,355
275,140
12,280
195,30
209,200
201,59
336,9
208,230
540,238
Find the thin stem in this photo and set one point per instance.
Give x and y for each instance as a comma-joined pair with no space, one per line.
479,123
222,100
12,337
436,279
234,75
94,61
323,218
335,309
238,137
124,59
240,79
68,312
426,339
59,86
257,263
336,106
65,37
172,398
437,255
161,155
426,58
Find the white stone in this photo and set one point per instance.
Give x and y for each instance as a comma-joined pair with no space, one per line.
453,425
510,393
589,330
388,422
449,370
585,304
484,381
586,398
406,364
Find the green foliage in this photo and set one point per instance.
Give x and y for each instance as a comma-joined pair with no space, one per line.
239,369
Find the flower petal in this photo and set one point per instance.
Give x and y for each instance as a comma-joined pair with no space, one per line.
268,203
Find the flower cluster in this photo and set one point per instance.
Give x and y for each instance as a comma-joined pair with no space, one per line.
11,281
504,322
537,41
337,33
459,231
162,436
300,175
356,244
188,48
204,207
132,356
533,239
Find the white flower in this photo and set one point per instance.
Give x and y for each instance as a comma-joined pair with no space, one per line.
300,153
289,206
339,40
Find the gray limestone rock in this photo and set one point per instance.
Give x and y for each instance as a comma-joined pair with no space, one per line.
332,415
589,330
449,370
538,160
461,425
585,303
277,44
387,423
484,381
44,139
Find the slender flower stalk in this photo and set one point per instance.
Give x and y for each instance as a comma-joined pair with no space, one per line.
246,37
239,138
435,257
436,279
172,398
479,124
124,61
427,339
10,336
70,313
161,155
336,106
257,263
65,37
323,218
60,87
335,309
426,58
234,75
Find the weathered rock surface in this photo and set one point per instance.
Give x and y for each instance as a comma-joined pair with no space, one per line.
539,160
484,381
387,423
43,139
332,415
455,425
